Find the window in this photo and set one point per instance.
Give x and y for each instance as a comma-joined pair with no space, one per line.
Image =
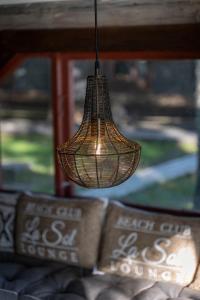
26,128
153,102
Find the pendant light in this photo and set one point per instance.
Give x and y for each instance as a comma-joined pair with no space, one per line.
98,156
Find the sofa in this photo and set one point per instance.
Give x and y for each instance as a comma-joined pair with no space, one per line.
74,249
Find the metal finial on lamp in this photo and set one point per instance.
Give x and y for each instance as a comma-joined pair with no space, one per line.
98,156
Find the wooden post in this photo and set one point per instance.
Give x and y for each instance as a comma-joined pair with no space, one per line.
62,114
197,93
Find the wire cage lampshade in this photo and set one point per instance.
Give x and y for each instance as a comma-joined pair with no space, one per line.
98,156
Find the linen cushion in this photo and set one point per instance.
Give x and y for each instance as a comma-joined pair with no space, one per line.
65,230
8,203
195,284
155,246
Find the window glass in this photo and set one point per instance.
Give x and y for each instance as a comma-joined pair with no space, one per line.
153,102
26,128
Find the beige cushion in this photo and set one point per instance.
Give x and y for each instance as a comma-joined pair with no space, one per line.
195,284
140,244
65,230
8,203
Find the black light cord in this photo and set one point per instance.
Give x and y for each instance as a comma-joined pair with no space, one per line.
97,64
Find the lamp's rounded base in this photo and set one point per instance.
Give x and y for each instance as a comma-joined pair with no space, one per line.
99,171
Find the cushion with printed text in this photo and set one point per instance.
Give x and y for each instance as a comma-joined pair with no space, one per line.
195,284
8,203
154,246
64,230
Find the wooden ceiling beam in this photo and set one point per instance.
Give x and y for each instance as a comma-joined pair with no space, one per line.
142,39
27,14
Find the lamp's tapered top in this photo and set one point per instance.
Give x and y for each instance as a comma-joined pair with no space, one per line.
98,156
